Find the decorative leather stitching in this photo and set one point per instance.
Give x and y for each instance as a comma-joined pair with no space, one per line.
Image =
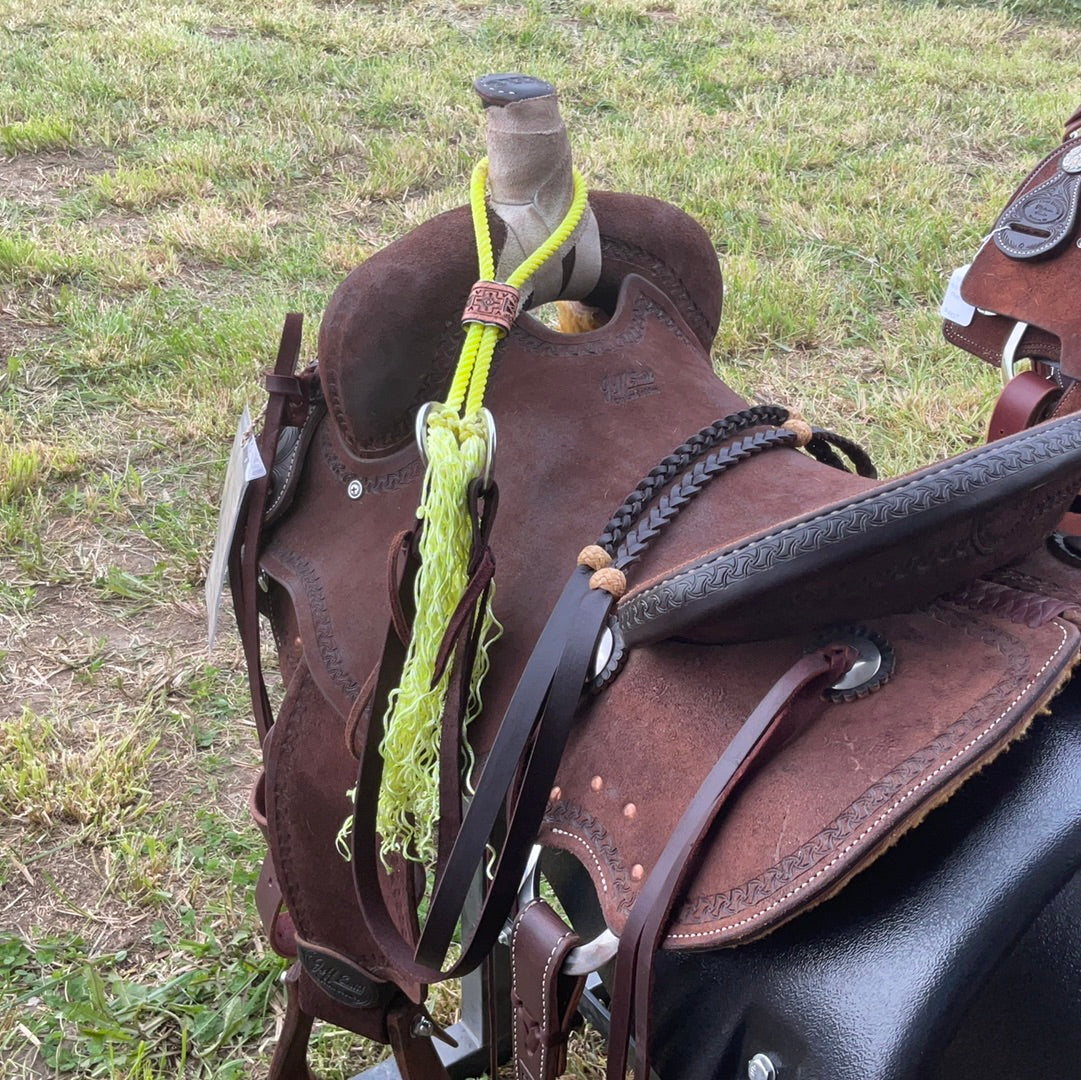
320,614
520,1005
589,851
887,813
857,517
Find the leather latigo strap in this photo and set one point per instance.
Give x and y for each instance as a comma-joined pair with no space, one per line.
1026,399
543,999
645,927
244,553
988,337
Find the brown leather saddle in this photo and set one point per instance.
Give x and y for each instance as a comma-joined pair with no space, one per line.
794,663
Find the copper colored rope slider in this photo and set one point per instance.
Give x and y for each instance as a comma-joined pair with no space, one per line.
493,303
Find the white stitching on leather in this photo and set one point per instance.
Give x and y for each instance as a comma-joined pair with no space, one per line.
514,980
885,813
544,983
589,851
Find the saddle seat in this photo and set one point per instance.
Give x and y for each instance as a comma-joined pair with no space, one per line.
758,568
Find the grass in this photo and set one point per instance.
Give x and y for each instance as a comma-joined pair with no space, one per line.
187,173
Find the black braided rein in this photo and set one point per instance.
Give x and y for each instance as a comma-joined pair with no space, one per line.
623,520
626,535
692,482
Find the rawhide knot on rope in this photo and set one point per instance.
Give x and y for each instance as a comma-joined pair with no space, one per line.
493,303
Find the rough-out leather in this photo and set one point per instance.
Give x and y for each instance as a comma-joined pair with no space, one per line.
753,571
1031,289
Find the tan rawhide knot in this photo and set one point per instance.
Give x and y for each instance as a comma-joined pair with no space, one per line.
595,557
610,580
800,428
493,303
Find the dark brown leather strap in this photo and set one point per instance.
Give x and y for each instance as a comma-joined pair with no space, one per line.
988,335
1073,125
649,917
544,1000
244,552
277,922
544,704
1026,400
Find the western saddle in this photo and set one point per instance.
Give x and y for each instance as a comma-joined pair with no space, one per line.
695,643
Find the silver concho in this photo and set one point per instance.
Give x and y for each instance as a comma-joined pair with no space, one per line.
1071,160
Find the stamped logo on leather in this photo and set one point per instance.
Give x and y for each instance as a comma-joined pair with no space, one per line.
338,977
627,386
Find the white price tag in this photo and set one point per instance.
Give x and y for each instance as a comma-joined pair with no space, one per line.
245,465
954,307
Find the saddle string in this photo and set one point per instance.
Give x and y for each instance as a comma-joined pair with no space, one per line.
458,437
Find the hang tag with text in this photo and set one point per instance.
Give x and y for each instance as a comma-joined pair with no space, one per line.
954,306
245,465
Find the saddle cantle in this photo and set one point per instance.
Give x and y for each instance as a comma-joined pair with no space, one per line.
741,559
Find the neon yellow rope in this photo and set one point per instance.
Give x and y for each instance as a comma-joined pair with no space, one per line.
457,450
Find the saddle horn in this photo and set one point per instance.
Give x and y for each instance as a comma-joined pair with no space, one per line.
532,184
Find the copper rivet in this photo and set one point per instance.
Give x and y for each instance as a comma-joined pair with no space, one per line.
630,811
596,783
556,793
638,871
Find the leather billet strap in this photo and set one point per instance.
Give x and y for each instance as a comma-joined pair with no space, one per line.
269,903
648,919
988,337
243,587
544,1000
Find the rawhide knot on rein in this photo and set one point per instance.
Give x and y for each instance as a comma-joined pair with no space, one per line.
595,557
493,303
605,576
609,579
800,428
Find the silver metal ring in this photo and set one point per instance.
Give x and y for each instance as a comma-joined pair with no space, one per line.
585,959
420,430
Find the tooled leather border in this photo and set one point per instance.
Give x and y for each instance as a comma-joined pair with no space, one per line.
833,843
894,789
920,494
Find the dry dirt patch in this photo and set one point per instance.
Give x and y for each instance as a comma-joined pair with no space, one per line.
40,180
